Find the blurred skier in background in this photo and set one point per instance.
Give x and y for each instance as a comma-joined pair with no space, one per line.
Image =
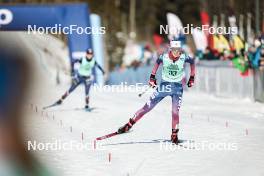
173,63
84,76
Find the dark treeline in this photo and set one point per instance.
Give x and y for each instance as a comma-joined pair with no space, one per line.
147,15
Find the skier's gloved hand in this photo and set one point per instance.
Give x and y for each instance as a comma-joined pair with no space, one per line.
191,81
152,81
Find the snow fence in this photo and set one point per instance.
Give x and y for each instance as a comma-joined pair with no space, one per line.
215,77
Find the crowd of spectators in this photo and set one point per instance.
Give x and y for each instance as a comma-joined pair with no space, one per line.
247,58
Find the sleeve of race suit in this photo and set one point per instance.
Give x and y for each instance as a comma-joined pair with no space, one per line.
72,65
77,61
100,68
156,66
192,65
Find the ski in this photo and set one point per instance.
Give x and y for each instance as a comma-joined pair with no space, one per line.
84,109
89,109
111,135
52,105
107,136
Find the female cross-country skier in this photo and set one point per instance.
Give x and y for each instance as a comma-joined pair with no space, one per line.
83,76
173,63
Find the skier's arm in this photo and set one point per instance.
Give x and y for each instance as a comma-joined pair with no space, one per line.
77,61
152,80
156,66
72,65
100,68
192,73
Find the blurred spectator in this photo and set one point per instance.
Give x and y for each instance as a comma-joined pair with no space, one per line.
147,55
132,54
15,159
208,54
240,62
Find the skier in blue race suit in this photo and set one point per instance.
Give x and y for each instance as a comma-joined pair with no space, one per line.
173,63
83,76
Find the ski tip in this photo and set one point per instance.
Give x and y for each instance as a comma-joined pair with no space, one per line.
99,138
46,107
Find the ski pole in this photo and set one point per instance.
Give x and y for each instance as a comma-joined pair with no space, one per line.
142,93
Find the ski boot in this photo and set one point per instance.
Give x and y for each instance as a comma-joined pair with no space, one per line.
87,108
126,127
59,102
174,136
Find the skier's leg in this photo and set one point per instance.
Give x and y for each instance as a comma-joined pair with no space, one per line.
87,86
74,85
176,104
154,100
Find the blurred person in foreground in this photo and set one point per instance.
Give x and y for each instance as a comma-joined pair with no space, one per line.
15,159
173,63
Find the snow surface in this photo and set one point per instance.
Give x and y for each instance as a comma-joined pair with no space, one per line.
203,118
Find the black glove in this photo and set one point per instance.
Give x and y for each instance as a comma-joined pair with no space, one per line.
152,81
191,81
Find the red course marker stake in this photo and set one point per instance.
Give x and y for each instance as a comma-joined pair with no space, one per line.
94,144
109,157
